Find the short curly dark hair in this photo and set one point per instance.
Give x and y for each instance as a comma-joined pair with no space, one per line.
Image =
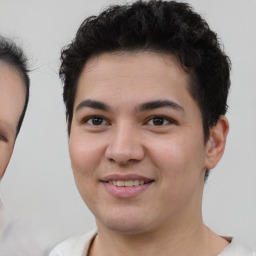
14,56
165,27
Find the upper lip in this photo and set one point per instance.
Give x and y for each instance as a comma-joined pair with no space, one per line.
125,177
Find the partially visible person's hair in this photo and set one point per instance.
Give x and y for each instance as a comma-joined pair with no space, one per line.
165,27
13,56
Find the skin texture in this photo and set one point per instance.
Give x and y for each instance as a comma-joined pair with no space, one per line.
164,144
12,98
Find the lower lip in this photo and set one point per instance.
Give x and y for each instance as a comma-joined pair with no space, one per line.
126,192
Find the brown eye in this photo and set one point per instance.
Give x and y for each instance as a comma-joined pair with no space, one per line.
96,121
159,121
2,137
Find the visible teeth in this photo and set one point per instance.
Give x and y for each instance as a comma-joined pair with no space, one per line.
136,183
127,183
120,183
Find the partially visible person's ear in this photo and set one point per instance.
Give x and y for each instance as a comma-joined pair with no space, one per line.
216,143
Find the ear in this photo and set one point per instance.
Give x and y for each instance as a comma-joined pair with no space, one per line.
216,143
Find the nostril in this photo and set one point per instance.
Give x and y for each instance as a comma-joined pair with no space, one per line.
124,155
125,144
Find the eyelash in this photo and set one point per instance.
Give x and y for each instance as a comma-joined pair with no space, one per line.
90,118
165,120
2,138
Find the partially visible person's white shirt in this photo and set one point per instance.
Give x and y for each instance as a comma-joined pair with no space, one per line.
18,238
79,246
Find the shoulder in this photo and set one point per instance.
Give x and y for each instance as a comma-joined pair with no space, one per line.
28,240
75,246
236,248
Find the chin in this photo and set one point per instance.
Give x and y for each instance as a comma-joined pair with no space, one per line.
125,223
127,229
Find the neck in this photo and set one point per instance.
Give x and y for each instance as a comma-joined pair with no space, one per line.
194,240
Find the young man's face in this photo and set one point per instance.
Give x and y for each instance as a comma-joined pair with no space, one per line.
137,144
12,98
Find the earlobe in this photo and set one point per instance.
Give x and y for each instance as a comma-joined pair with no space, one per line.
215,145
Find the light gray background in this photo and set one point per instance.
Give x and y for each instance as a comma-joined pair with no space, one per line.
39,184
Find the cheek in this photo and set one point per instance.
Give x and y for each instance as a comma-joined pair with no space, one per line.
3,165
178,157
179,164
85,154
5,155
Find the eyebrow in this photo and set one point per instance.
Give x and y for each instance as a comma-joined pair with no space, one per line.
160,104
93,104
150,105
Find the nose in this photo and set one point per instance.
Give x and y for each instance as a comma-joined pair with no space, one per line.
125,145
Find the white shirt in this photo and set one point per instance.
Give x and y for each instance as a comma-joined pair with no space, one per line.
79,246
19,238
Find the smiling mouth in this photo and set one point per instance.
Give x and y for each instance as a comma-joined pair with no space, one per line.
128,183
126,186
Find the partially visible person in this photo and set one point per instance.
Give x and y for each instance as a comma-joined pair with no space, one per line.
16,238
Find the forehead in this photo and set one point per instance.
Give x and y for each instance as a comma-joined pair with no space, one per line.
125,72
12,96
